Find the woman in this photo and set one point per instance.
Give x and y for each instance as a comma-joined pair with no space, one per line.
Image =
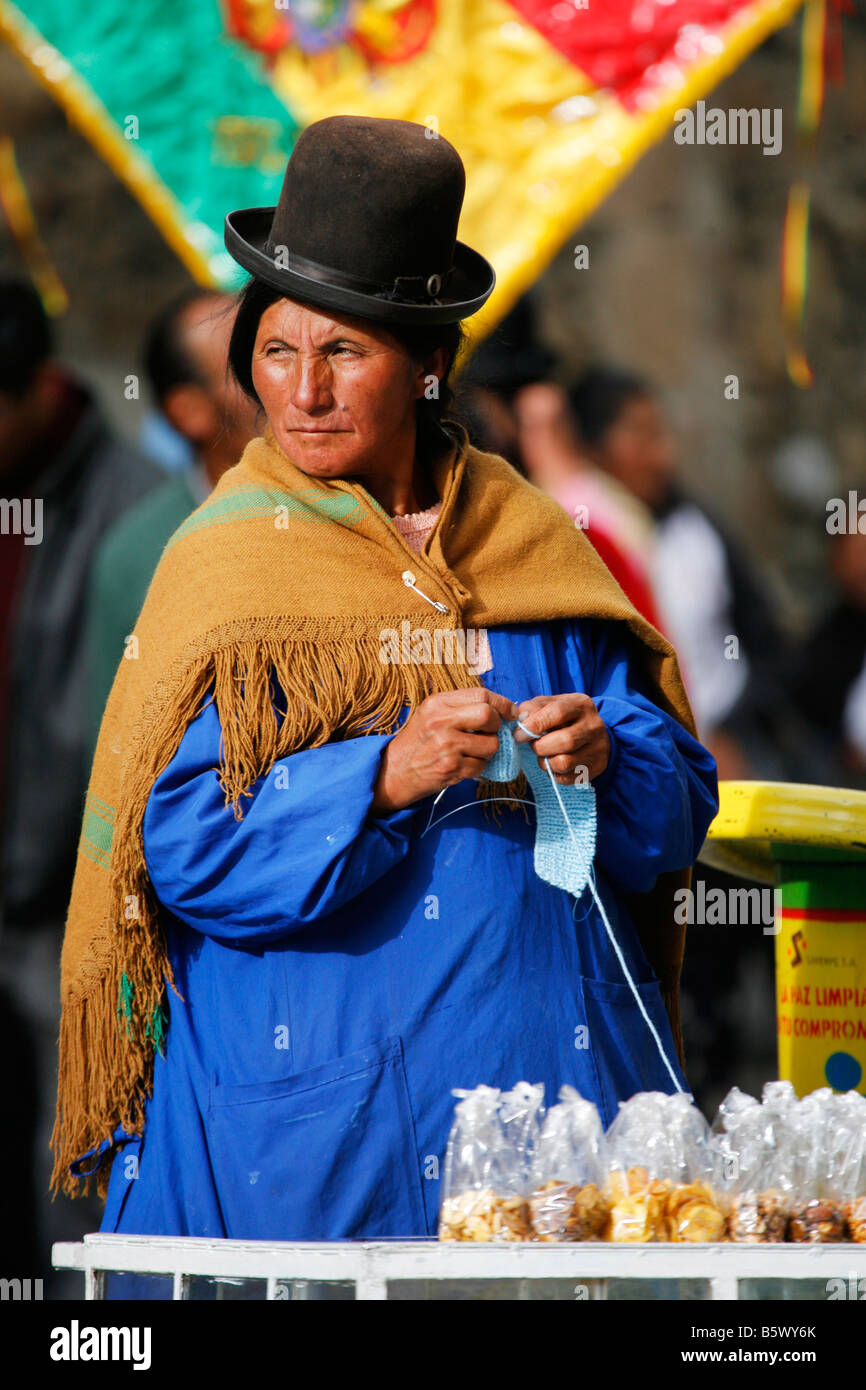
282,820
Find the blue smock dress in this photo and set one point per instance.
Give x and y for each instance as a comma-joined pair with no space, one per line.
342,972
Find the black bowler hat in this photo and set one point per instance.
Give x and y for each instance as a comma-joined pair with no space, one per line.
367,223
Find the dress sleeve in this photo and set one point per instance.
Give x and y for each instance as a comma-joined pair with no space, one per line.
659,792
307,843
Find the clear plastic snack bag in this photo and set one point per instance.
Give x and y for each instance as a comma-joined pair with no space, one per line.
778,1097
695,1208
521,1112
484,1187
853,1182
844,1130
818,1208
750,1139
664,1173
566,1201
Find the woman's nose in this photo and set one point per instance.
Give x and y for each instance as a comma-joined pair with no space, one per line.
311,388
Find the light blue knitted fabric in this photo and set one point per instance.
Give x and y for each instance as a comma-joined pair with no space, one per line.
562,857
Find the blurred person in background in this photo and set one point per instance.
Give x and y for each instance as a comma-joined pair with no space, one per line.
64,479
828,676
507,360
185,361
512,407
707,594
704,585
615,522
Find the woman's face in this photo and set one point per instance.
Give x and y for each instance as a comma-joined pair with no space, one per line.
639,450
339,392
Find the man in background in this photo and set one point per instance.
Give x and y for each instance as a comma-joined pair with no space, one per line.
512,406
828,672
711,602
64,479
185,362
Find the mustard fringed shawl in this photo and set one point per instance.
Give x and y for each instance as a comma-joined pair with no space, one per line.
279,574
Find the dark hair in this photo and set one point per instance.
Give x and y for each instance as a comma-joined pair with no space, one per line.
599,396
420,341
25,335
512,355
167,360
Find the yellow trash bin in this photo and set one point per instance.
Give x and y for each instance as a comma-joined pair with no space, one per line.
811,843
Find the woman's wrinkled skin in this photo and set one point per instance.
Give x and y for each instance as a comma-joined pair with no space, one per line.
340,395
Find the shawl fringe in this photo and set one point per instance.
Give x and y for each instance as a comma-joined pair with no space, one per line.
110,1027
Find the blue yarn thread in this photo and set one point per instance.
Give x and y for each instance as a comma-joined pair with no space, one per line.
554,859
553,862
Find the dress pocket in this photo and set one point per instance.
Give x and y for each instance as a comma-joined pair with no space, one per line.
623,1048
325,1154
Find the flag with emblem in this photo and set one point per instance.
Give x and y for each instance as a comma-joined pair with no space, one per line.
550,102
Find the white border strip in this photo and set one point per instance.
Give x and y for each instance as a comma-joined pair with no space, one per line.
370,1265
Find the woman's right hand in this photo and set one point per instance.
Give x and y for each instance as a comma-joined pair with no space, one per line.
448,737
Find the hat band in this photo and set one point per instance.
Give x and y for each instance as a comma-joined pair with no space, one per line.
411,289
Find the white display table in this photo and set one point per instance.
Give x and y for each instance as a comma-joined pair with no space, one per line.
370,1270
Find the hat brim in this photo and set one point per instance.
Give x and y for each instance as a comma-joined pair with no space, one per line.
471,284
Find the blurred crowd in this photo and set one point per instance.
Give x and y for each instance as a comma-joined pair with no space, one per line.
770,704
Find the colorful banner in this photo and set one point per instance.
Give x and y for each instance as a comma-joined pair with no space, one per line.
550,104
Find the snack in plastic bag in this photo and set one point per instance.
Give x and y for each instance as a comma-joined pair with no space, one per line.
694,1213
637,1206
755,1163
566,1202
759,1217
855,1175
485,1168
845,1130
818,1222
851,1161
694,1209
822,1129
855,1215
637,1190
483,1215
663,1172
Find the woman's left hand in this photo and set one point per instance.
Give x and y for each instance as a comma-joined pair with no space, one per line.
575,739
